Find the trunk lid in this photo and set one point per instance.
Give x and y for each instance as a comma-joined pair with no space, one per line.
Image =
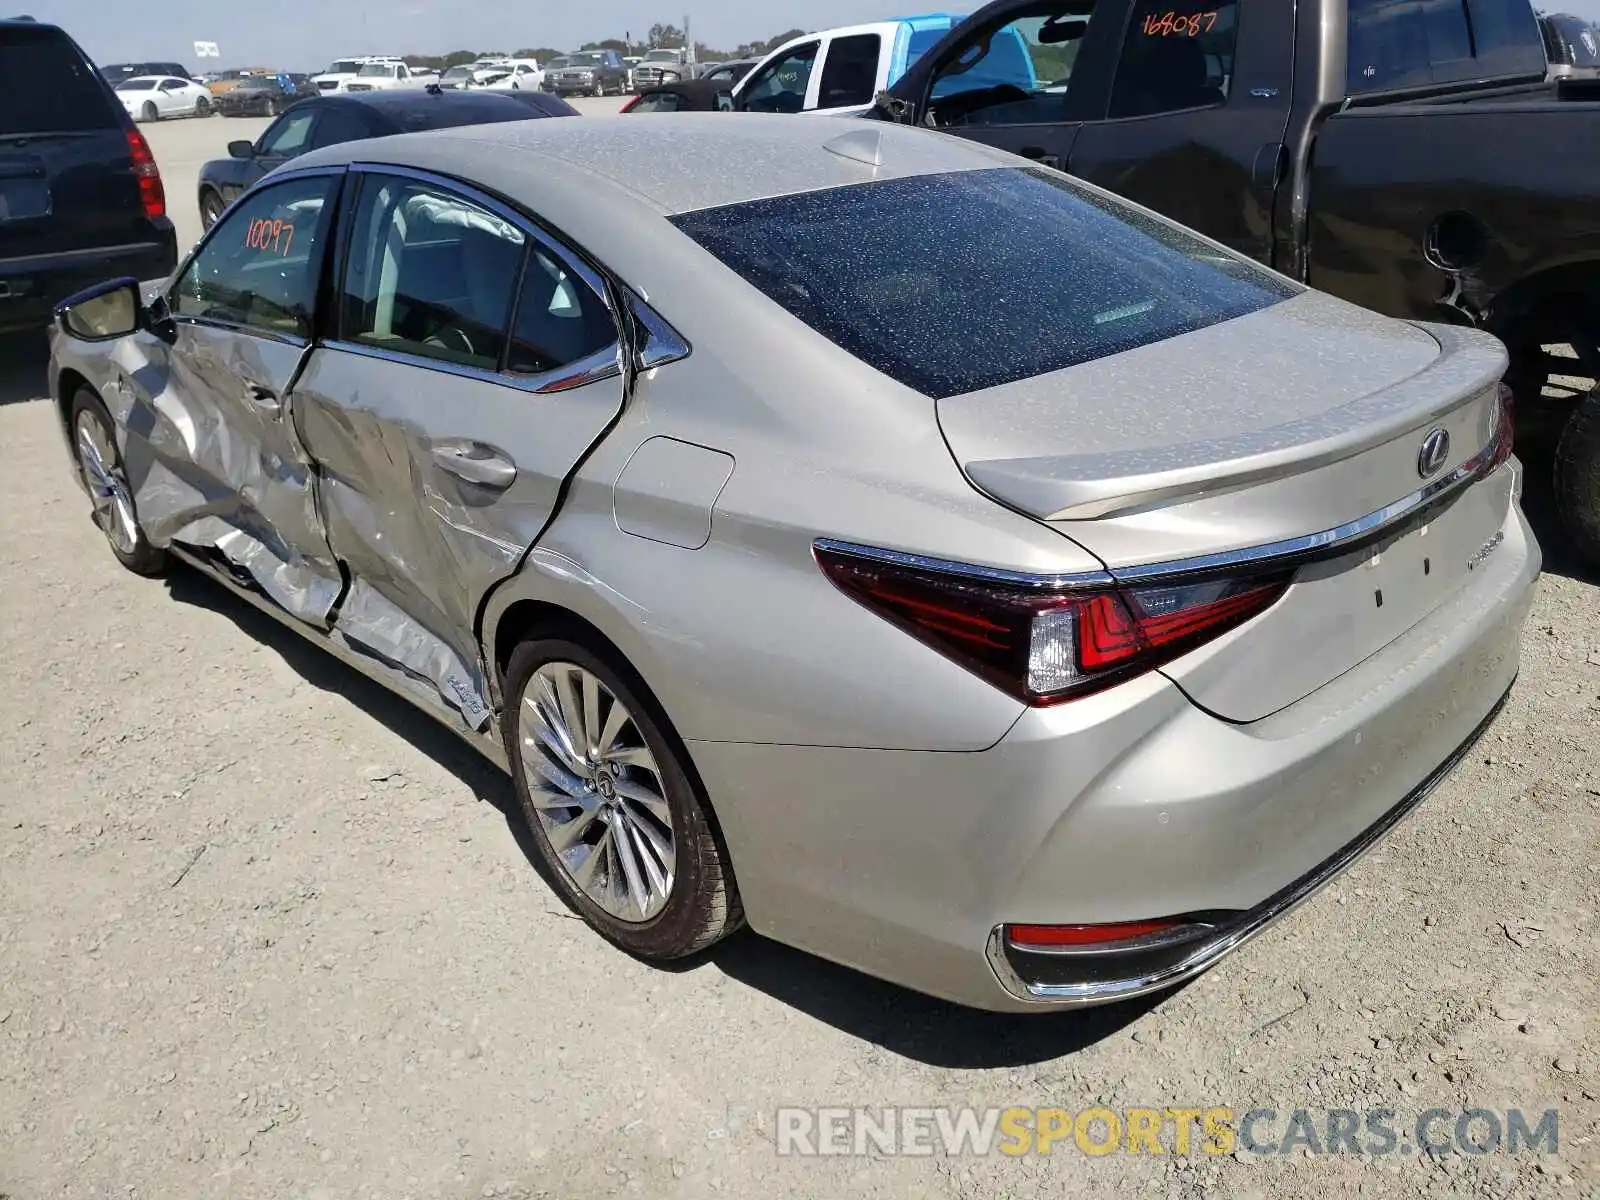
1291,423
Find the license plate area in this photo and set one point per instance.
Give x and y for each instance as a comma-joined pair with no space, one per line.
24,199
1339,613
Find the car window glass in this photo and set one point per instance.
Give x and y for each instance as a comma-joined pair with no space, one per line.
49,87
258,266
780,86
662,102
290,136
1505,38
850,71
724,101
1176,58
430,274
336,125
1412,43
560,318
1068,274
1018,74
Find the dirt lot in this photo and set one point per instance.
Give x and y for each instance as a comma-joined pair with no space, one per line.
264,932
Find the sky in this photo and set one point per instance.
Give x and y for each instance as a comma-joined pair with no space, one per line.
301,35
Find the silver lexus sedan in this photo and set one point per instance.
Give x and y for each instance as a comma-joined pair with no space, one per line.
915,553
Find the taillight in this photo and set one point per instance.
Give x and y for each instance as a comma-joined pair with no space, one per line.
1047,645
1505,431
151,194
1100,939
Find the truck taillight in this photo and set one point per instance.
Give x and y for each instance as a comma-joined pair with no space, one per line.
151,192
1044,645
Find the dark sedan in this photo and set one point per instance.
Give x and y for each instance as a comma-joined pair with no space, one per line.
262,96
349,118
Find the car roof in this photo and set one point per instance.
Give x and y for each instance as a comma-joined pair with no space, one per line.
398,109
655,163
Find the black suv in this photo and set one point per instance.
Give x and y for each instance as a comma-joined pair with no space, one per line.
80,196
587,73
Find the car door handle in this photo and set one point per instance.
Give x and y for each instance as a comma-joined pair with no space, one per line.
264,399
476,463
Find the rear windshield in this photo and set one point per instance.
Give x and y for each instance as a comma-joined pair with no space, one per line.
954,283
49,86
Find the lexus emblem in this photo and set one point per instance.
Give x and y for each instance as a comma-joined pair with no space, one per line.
1434,454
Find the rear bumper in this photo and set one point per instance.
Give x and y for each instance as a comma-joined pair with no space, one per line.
30,288
1129,805
1081,980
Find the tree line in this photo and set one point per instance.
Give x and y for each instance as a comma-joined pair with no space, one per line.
659,37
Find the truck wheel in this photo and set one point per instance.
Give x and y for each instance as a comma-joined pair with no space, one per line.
1577,478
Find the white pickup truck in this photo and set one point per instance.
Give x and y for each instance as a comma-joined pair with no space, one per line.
383,77
346,70
838,72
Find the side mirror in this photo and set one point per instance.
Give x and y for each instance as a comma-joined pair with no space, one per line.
241,149
103,312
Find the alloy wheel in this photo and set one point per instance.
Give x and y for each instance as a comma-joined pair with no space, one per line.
598,792
108,487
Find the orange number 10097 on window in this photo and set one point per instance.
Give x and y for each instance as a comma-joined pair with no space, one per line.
270,235
1173,24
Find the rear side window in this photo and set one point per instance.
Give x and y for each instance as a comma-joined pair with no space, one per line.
430,274
850,71
1413,43
958,282
560,320
49,86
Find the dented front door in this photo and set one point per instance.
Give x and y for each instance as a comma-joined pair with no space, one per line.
215,461
476,364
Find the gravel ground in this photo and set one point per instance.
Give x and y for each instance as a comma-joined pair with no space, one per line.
266,932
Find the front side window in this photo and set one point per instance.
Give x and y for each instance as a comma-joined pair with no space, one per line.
957,282
430,274
781,85
258,268
850,71
290,136
1176,58
1018,74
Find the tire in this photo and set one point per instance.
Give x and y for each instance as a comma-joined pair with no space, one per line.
202,107
599,89
700,902
1576,481
150,112
100,468
212,206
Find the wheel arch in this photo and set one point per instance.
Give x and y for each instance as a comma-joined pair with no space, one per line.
68,384
529,617
1519,310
